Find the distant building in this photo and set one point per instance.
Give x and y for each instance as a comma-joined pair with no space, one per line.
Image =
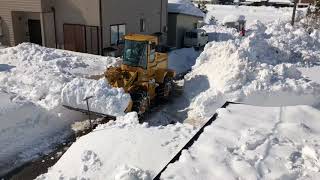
181,18
79,25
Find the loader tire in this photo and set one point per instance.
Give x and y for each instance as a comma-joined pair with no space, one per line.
165,89
141,102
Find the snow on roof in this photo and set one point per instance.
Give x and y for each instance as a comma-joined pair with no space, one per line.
233,18
184,7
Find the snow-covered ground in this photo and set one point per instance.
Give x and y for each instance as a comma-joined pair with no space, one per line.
251,13
248,142
31,116
121,150
262,68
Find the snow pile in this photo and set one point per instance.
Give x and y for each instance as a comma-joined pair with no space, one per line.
122,149
184,7
105,99
181,60
255,69
31,80
25,130
247,142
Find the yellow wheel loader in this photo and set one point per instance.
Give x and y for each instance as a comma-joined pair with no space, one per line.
144,73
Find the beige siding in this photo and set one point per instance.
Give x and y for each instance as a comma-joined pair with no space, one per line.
85,12
184,23
130,12
6,7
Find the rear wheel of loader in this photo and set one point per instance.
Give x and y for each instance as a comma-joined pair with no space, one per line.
141,102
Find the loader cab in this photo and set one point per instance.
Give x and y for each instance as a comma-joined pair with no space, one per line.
135,53
144,51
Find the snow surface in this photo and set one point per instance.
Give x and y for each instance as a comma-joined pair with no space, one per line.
247,142
251,13
31,80
233,18
312,73
184,7
259,69
105,99
123,149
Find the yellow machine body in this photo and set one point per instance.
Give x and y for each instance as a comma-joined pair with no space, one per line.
144,71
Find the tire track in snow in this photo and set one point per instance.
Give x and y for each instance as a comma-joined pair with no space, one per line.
268,140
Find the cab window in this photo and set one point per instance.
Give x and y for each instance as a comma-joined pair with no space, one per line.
152,52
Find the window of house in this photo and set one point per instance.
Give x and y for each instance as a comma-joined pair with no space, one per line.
117,33
142,25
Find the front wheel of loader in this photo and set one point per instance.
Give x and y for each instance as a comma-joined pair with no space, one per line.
165,89
141,102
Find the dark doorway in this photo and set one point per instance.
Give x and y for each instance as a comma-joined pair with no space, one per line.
35,31
74,37
81,38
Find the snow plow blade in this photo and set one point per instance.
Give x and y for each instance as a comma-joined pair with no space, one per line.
91,112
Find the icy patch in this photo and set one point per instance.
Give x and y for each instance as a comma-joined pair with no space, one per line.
105,99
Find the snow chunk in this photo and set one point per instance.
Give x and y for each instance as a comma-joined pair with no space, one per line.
131,173
106,99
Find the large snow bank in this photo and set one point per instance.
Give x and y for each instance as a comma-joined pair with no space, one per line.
37,75
105,99
184,7
258,69
123,149
247,142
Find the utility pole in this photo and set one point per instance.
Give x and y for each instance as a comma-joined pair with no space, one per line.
294,11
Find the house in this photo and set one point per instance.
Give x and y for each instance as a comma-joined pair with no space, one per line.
93,26
182,17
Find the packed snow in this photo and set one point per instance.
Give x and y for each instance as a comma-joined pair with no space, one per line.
184,7
259,69
31,81
121,149
105,99
248,142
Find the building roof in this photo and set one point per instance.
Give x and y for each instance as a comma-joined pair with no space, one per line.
184,7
